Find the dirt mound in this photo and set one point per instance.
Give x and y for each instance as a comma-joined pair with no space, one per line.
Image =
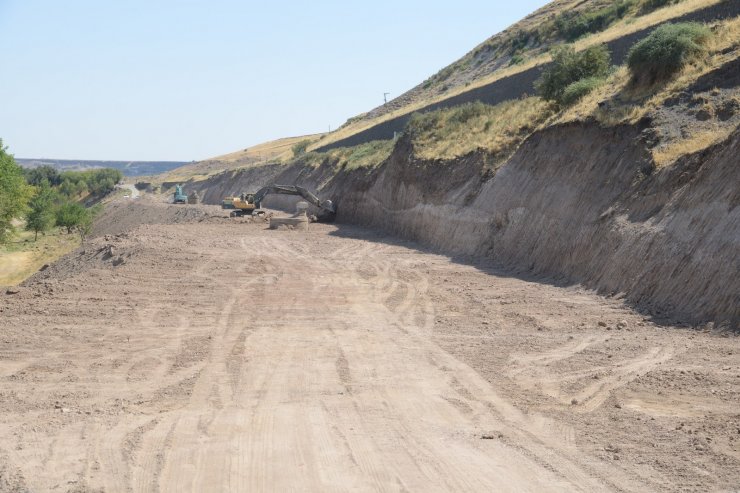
122,216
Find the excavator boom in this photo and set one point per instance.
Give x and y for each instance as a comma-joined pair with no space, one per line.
309,197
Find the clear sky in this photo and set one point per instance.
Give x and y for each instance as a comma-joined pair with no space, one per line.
186,80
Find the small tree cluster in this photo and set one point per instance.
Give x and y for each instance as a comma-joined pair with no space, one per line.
41,216
570,67
74,216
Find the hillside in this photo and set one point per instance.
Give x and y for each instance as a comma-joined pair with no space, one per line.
448,180
128,168
506,65
267,152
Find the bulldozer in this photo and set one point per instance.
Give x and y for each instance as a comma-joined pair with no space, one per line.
249,203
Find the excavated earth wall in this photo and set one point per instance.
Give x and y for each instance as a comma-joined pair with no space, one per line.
576,202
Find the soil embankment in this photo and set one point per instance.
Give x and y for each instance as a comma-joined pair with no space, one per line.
576,202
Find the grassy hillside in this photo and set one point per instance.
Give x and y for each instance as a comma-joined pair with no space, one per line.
276,150
523,46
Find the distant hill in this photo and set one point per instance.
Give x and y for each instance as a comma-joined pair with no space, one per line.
129,168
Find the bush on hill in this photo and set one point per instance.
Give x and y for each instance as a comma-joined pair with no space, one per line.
568,67
667,50
573,26
577,90
299,148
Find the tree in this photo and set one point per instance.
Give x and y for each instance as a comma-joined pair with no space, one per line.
41,216
14,193
35,176
72,215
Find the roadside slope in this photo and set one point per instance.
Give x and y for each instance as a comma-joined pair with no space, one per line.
576,201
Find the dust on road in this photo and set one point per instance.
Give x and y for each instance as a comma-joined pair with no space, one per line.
196,353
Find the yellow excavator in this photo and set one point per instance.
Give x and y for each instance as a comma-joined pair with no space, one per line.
248,204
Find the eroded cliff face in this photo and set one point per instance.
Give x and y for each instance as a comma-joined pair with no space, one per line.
577,202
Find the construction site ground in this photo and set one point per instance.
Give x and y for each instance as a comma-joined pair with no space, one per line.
179,350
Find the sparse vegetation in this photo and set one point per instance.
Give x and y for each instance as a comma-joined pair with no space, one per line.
453,132
299,148
570,67
572,26
577,90
368,155
647,6
667,50
669,153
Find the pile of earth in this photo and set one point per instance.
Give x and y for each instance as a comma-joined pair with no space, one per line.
121,216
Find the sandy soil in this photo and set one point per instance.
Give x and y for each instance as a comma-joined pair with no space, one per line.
209,354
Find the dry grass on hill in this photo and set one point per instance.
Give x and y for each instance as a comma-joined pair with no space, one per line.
498,130
619,29
619,101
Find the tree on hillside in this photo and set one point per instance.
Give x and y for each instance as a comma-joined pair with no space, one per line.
41,216
71,215
74,216
14,193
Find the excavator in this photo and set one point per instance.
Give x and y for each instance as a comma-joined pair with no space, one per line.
179,196
249,203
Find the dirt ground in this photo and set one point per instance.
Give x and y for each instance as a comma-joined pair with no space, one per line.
183,351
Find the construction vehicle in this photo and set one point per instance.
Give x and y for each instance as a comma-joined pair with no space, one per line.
249,203
179,197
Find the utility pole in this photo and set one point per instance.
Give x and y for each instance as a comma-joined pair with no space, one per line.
385,97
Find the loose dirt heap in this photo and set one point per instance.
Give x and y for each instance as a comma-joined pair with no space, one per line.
203,353
122,216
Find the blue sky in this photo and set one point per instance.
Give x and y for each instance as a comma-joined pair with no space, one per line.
187,80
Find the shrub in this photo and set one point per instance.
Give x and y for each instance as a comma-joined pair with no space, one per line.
667,50
299,148
647,6
572,27
569,66
577,90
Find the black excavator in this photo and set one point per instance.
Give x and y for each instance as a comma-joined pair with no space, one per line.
248,204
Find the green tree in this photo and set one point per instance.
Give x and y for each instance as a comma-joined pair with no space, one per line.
72,215
14,193
41,216
35,176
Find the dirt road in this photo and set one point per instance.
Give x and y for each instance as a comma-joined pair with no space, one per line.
217,355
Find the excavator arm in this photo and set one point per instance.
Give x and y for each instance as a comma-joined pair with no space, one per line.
309,197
